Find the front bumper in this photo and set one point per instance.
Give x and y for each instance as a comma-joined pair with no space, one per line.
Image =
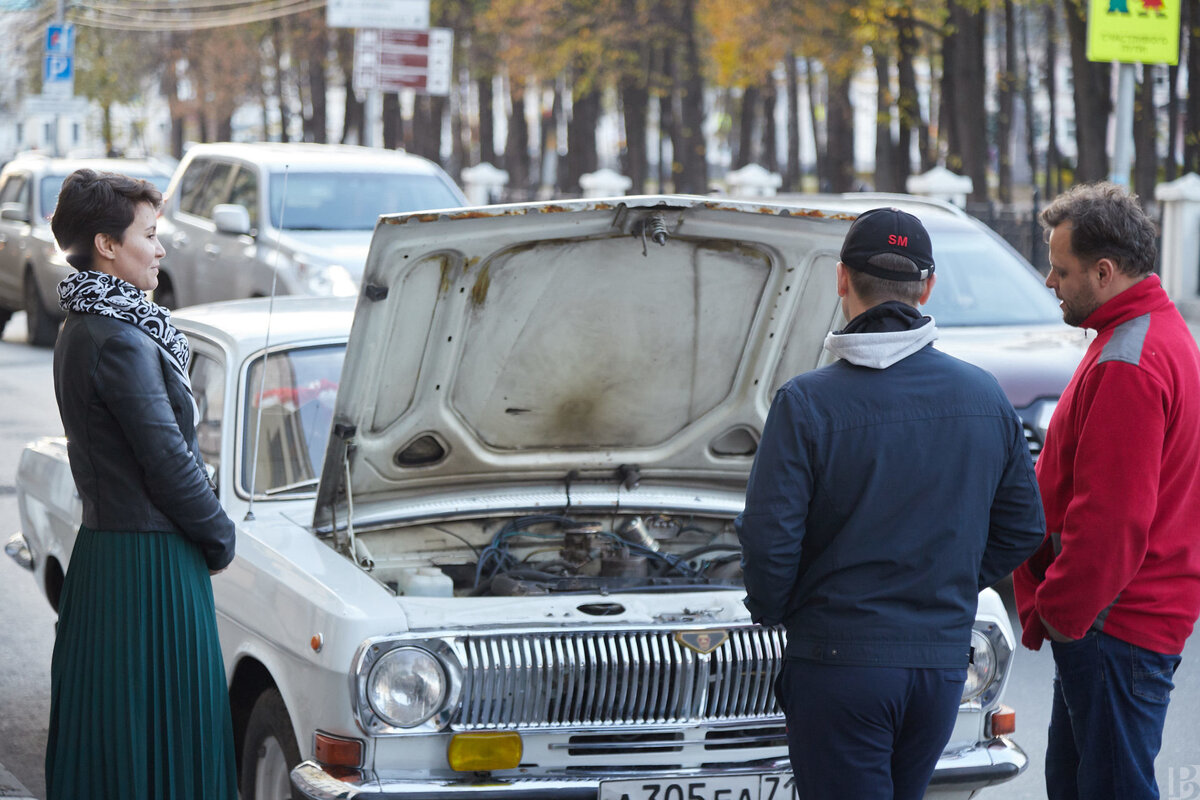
961,772
18,550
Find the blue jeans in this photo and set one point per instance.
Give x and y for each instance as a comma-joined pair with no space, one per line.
866,732
1110,703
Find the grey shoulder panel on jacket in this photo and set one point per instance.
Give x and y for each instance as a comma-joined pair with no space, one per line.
1126,342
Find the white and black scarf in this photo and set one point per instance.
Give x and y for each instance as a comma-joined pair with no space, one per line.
92,292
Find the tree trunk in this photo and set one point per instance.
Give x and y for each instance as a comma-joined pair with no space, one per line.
1171,165
908,106
581,139
925,142
1006,80
635,107
487,120
820,135
670,127
694,158
963,107
769,150
391,120
353,114
516,146
743,153
1093,99
317,90
840,135
791,175
1145,130
548,139
1053,162
1191,130
885,145
285,117
1031,156
170,89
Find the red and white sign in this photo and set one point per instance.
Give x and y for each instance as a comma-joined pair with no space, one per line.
391,60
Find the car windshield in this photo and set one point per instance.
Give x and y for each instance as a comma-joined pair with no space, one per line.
979,282
51,184
352,201
292,408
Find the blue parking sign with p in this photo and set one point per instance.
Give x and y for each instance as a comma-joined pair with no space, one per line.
57,69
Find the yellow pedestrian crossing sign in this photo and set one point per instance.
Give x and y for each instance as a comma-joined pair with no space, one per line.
1133,31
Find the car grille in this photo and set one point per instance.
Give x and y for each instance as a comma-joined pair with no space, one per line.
618,678
1031,439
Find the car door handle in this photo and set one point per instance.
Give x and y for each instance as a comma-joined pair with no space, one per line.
211,250
179,240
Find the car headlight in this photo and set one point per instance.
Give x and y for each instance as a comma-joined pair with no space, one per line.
406,686
1042,415
329,280
981,672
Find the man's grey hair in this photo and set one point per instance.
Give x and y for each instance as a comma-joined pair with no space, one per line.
873,290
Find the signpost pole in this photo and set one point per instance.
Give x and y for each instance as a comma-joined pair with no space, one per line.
59,14
1123,144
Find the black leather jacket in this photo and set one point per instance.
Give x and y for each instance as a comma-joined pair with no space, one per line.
131,436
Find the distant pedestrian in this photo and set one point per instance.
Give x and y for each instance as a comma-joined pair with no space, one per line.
138,702
1116,584
888,489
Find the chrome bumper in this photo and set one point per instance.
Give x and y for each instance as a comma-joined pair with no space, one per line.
969,770
18,550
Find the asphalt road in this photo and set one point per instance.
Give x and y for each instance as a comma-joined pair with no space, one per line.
27,410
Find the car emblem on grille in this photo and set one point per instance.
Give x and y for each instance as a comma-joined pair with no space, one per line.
703,642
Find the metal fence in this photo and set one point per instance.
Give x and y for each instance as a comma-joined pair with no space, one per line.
1018,226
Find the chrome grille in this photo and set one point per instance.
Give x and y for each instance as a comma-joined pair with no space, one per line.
1031,439
572,679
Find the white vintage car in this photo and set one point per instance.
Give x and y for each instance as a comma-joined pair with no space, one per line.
485,518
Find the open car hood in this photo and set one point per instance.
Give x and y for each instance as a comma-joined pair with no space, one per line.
543,351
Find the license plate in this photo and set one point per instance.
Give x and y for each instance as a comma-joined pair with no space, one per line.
770,786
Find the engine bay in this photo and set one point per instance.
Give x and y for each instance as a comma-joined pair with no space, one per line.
543,554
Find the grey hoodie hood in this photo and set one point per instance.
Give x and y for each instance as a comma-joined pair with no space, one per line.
879,350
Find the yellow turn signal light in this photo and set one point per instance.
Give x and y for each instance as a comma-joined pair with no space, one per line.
485,751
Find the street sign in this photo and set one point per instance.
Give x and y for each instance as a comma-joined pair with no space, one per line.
391,60
60,40
58,64
1133,31
398,14
41,104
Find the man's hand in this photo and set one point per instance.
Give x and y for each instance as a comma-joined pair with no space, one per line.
1052,633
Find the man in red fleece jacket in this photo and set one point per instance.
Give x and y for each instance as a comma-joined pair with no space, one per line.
1116,584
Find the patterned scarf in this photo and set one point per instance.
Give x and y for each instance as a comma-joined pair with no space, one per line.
93,292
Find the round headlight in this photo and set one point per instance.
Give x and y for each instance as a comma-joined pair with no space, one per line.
982,669
406,686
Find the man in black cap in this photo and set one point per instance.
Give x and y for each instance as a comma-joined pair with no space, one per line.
889,488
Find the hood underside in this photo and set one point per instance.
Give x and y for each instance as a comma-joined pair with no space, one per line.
635,341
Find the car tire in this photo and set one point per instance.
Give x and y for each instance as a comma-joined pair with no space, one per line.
42,326
164,294
269,750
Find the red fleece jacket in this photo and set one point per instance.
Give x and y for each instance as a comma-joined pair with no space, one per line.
1120,481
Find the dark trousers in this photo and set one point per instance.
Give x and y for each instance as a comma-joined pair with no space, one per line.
870,733
1110,703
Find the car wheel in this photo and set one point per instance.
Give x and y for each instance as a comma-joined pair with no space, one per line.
41,324
164,293
269,751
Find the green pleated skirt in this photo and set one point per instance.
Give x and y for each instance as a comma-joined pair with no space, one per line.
139,708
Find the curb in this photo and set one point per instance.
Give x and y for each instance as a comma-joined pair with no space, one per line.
11,788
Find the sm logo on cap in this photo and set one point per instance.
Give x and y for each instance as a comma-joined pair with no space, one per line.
896,239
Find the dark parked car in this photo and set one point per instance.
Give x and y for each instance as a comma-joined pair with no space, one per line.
30,264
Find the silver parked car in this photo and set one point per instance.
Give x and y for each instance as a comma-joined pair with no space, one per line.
243,220
30,264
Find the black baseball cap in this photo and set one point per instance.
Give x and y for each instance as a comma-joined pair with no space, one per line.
888,230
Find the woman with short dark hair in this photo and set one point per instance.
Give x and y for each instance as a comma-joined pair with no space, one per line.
139,706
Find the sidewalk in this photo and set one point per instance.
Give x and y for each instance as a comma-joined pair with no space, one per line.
11,788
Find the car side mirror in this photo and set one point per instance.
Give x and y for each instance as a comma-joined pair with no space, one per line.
232,219
14,212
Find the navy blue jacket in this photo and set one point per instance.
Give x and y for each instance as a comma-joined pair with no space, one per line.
880,502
